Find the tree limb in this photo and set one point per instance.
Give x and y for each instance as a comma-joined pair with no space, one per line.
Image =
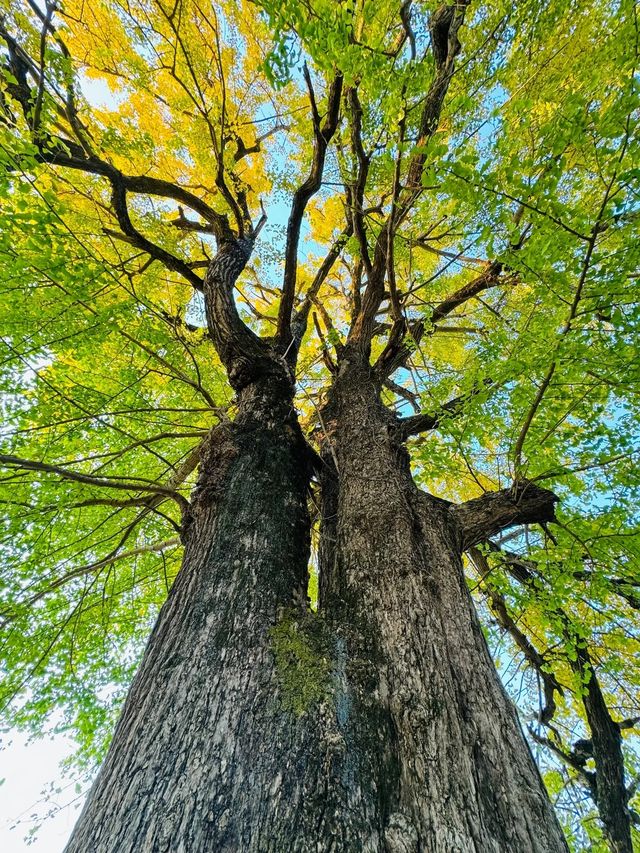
300,318
395,354
90,480
424,422
611,796
506,621
322,136
119,201
483,517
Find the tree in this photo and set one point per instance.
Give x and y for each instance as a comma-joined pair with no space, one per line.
432,358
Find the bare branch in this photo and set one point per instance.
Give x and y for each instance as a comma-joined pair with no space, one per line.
299,322
119,200
322,136
444,26
507,622
395,354
89,480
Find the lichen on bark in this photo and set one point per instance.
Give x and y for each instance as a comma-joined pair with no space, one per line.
302,659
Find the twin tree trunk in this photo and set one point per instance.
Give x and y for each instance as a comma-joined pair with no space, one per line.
377,724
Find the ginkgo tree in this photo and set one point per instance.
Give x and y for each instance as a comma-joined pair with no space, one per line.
318,382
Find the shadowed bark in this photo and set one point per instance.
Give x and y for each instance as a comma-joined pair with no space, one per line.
523,503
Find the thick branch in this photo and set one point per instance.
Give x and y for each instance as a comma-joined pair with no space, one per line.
119,201
70,155
523,503
606,785
355,191
241,351
611,795
444,26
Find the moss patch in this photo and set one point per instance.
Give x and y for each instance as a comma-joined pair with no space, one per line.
303,664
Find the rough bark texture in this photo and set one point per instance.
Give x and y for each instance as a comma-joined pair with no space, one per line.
204,757
378,724
420,684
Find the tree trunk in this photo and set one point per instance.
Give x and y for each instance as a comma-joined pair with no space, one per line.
204,757
421,687
377,725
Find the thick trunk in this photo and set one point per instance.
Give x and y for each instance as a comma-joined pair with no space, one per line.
204,757
254,725
420,685
232,735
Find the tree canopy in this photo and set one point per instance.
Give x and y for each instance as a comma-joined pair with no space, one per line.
480,221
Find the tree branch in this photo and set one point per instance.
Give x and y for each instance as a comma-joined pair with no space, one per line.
424,422
322,136
114,556
66,153
611,796
300,319
588,776
395,354
119,201
506,621
523,503
90,480
241,351
444,25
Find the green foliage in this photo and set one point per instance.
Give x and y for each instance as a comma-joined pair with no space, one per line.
108,371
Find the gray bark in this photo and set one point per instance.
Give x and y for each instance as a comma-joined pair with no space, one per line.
417,664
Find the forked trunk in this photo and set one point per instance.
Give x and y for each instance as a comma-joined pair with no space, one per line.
377,725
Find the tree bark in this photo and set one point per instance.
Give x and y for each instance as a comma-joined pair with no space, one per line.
203,757
377,725
606,743
420,686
